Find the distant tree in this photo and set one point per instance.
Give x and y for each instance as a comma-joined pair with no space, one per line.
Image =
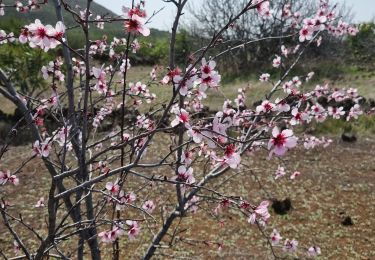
363,44
286,14
23,64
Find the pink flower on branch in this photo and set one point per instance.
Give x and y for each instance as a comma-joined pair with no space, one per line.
231,157
134,229
275,237
45,37
185,175
290,245
264,77
281,141
295,175
113,187
280,172
261,214
136,24
306,34
41,149
112,235
7,177
313,251
148,206
182,117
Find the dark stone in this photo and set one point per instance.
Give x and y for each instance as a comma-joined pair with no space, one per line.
347,221
349,138
282,207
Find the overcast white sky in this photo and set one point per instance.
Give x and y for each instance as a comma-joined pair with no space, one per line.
364,9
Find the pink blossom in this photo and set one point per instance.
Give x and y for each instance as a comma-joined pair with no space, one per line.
319,112
298,117
284,51
263,8
201,92
211,81
153,73
46,37
137,88
296,81
182,116
7,177
311,142
310,75
275,237
16,247
41,149
281,141
280,172
276,62
101,85
195,134
336,113
260,214
136,46
352,93
353,31
125,64
282,105
319,41
24,36
305,34
134,229
113,187
207,68
231,157
148,206
130,197
313,251
5,38
266,107
264,77
112,235
106,236
40,35
40,203
295,175
338,95
354,112
187,157
185,175
184,85
58,33
290,245
219,127
100,23
136,24
145,123
191,205
130,12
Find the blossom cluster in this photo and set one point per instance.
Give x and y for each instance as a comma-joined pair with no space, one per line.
42,36
53,68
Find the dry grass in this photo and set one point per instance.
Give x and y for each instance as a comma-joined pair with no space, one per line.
336,182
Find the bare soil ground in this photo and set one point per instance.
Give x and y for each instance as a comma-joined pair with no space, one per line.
336,182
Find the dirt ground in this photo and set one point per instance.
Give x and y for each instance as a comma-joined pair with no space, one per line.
335,183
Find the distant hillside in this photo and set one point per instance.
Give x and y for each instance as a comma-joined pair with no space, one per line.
46,14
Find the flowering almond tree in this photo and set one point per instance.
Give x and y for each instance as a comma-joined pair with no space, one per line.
100,194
